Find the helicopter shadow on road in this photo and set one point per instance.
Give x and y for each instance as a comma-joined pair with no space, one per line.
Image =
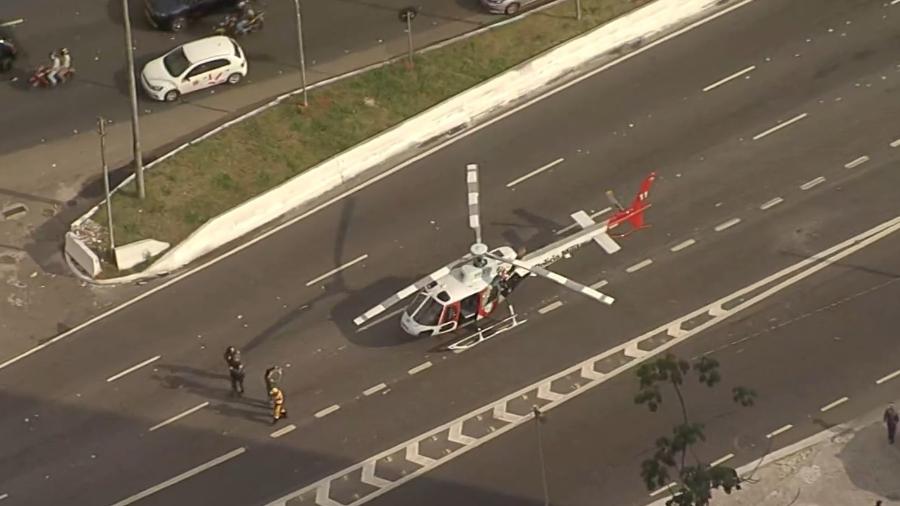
541,231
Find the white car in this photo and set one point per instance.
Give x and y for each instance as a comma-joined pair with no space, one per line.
194,66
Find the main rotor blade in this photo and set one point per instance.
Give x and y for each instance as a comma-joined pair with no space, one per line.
472,184
407,291
560,280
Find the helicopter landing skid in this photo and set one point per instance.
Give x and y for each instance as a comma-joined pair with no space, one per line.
510,322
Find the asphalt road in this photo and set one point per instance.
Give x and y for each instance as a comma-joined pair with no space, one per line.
74,436
94,32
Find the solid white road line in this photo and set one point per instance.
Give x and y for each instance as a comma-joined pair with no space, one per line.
682,245
811,183
722,460
535,172
772,203
638,266
888,377
780,430
282,431
336,270
179,416
833,404
737,74
575,225
327,411
855,163
377,388
661,490
181,477
550,307
419,368
132,369
896,143
728,224
780,126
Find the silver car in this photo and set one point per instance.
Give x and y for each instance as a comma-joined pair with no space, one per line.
508,7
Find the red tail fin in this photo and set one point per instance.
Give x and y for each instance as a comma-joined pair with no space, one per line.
634,214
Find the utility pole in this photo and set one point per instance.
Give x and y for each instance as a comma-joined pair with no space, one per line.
101,128
407,14
302,53
538,420
578,10
132,89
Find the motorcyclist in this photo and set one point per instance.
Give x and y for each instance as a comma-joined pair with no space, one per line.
65,59
245,18
53,69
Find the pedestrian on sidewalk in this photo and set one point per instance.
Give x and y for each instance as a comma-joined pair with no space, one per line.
891,418
278,410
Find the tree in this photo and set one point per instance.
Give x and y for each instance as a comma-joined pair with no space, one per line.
696,479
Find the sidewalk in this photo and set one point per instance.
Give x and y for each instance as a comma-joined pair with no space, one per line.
853,467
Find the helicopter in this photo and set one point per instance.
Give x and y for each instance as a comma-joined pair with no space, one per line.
471,287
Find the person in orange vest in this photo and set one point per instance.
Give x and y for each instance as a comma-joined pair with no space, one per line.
278,411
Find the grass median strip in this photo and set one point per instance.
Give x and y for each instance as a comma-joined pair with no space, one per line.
262,152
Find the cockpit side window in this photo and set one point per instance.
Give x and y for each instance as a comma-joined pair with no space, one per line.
429,313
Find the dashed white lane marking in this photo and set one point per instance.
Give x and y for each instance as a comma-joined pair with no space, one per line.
895,2
855,163
779,126
813,182
550,307
575,225
780,430
282,431
377,388
3,496
896,143
728,224
664,489
535,172
722,460
132,369
772,203
337,269
419,368
600,284
834,404
181,477
638,266
179,416
737,74
682,245
327,411
889,377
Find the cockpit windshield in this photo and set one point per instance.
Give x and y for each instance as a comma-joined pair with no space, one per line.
429,313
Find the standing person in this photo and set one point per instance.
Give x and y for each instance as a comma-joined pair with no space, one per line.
278,410
236,371
232,355
891,418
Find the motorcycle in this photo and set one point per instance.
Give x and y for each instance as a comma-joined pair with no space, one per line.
39,77
229,26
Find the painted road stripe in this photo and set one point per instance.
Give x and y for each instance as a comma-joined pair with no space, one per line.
780,430
834,404
638,266
682,245
535,172
855,163
327,411
181,477
500,413
419,368
336,270
888,377
179,416
457,436
896,143
600,284
664,489
814,182
377,388
575,225
728,224
368,476
413,455
550,307
323,496
3,496
588,372
772,203
895,2
737,74
544,392
132,369
722,460
282,431
780,126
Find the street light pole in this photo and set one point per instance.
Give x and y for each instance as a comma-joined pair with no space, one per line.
578,10
101,127
538,419
132,89
302,53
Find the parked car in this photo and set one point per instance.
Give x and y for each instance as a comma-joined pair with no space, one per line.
508,7
174,15
194,66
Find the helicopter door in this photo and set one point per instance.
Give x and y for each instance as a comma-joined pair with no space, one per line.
469,307
449,318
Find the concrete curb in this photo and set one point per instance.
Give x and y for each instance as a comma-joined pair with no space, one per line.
442,120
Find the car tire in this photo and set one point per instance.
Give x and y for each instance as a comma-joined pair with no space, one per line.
235,78
178,24
171,96
513,9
